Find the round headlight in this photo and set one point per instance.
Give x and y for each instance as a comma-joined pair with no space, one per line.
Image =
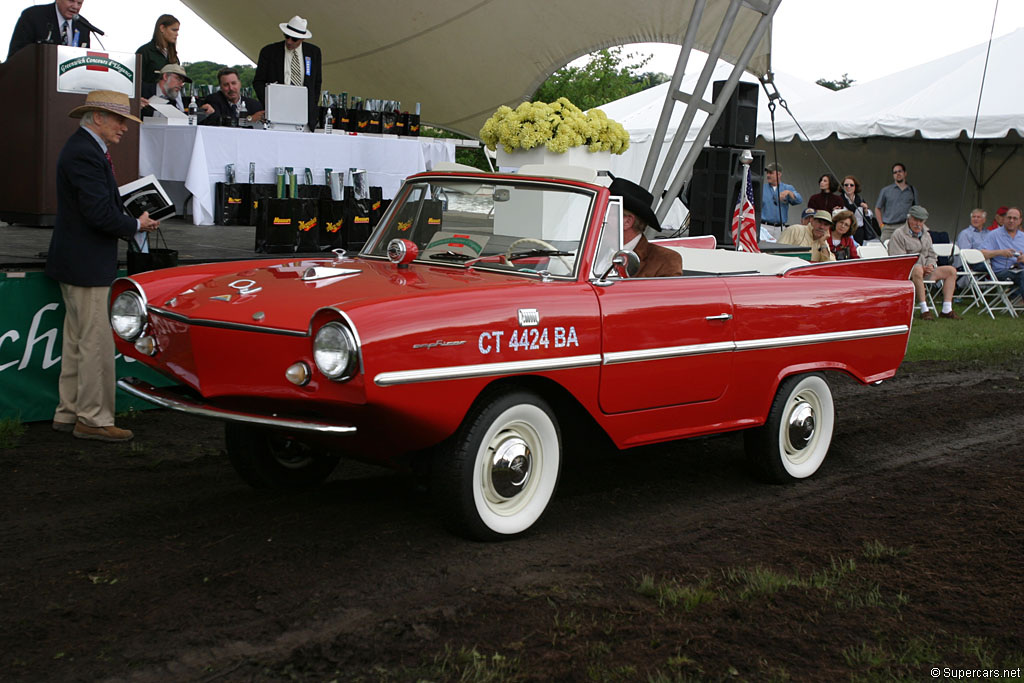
128,315
334,351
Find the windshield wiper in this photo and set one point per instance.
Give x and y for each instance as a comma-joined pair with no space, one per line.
538,252
450,256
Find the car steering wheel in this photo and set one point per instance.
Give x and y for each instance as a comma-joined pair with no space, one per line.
542,243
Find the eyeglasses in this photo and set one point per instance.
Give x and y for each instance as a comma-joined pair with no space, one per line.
849,185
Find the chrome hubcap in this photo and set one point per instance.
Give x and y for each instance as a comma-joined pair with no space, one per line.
801,425
511,465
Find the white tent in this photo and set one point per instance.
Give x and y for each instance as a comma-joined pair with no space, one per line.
922,117
639,113
462,59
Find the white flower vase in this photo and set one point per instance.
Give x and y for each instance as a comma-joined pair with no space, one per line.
574,156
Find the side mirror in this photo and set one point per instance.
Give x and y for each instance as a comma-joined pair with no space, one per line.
625,263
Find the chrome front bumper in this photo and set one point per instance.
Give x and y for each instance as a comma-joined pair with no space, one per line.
167,398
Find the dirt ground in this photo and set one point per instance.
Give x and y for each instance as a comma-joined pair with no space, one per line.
152,561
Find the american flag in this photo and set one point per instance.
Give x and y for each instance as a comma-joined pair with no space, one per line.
744,227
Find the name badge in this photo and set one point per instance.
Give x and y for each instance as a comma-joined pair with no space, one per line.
74,39
309,65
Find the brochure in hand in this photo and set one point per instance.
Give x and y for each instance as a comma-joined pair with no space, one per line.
146,194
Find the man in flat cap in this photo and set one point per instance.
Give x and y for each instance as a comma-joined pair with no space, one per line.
637,215
913,238
83,259
292,61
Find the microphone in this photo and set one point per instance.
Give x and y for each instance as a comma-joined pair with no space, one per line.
85,22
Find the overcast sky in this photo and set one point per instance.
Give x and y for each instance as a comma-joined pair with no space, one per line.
812,39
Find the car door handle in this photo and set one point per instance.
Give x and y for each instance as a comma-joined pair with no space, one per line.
723,316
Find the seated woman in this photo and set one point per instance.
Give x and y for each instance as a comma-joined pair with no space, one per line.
827,199
840,239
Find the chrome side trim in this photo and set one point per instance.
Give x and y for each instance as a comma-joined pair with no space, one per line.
750,345
169,399
225,325
667,352
387,379
800,340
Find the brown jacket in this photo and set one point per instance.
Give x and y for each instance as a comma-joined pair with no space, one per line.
657,261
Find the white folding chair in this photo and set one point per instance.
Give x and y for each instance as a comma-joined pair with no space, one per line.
872,250
991,293
945,250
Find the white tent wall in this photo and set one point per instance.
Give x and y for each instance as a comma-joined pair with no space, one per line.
934,167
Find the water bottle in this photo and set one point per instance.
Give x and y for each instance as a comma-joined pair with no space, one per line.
328,122
192,111
243,112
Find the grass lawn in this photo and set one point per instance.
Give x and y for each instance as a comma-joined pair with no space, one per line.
975,338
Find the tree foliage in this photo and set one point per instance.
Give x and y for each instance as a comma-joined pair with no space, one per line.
840,84
607,76
205,73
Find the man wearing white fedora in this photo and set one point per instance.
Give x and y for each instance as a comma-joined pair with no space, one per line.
292,61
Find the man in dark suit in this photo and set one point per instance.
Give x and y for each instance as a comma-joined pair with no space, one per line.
57,23
226,102
83,259
637,215
292,61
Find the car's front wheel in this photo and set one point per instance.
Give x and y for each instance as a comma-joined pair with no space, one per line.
501,471
271,461
793,442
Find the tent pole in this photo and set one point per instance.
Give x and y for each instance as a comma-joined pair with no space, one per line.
686,168
674,94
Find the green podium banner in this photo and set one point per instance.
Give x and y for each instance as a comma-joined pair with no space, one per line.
31,321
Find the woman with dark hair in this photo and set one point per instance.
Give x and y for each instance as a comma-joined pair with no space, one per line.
853,202
827,199
840,239
161,51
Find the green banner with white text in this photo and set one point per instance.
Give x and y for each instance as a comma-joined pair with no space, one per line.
31,320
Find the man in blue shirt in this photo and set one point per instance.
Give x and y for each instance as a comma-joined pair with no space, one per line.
1009,238
776,198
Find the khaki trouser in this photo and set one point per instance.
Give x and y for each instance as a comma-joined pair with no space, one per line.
87,358
889,228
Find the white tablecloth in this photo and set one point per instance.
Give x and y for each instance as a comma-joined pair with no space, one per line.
198,156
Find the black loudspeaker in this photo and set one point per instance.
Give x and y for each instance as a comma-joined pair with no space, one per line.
737,126
715,187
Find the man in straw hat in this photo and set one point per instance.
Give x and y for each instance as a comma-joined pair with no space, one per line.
637,215
292,61
83,259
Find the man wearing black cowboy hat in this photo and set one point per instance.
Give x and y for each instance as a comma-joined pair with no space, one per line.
83,259
637,214
292,61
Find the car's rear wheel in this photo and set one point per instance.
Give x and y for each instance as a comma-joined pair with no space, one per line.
793,442
501,471
272,461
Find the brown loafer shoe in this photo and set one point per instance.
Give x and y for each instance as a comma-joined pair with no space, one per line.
950,316
108,433
927,315
66,427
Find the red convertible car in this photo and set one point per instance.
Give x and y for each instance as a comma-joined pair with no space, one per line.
487,315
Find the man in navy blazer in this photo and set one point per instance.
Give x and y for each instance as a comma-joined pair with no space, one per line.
271,66
83,259
50,24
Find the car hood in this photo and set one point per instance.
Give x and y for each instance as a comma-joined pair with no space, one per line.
284,295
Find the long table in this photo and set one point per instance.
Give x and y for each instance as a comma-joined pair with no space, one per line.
198,156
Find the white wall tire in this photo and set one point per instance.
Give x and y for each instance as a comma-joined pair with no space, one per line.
796,437
503,467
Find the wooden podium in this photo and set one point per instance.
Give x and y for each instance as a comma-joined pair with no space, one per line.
35,125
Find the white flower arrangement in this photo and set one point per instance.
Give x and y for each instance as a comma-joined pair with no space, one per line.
558,126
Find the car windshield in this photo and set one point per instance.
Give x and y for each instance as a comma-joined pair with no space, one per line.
514,226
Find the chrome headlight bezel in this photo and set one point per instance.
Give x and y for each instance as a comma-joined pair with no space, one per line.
128,317
335,351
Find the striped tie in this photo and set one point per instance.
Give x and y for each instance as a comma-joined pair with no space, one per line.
64,33
296,69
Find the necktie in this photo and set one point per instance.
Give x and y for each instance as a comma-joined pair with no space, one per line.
296,69
64,32
111,162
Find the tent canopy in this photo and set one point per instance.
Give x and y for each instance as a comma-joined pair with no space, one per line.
938,100
462,59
